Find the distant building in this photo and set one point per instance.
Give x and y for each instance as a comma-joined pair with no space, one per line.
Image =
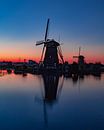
31,62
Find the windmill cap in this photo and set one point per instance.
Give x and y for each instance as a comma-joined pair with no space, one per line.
52,41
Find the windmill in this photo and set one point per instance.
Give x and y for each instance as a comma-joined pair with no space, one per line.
79,53
51,50
80,57
81,61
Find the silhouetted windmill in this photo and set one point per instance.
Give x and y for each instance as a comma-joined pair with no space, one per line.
51,49
80,57
81,61
79,53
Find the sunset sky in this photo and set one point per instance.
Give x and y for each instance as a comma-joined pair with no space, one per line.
76,22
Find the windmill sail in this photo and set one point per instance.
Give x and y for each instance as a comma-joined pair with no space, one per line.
46,34
40,42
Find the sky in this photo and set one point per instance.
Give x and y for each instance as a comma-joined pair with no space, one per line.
75,22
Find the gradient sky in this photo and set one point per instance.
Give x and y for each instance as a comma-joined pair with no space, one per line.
77,22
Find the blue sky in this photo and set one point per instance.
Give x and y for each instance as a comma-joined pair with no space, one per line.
77,22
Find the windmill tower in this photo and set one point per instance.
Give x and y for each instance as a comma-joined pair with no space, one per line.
81,61
51,51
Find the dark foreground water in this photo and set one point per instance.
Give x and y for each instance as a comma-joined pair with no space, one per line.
35,102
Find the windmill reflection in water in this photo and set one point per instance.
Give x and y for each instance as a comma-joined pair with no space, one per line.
50,94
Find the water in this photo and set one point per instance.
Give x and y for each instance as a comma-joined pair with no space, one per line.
35,102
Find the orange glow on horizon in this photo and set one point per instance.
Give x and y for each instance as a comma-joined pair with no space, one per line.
37,59
28,51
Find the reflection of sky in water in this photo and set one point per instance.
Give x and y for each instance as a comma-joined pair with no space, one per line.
80,105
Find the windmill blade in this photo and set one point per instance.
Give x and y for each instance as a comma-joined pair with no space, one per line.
47,27
60,53
61,43
79,51
42,53
40,42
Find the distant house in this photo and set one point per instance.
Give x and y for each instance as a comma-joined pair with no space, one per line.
31,62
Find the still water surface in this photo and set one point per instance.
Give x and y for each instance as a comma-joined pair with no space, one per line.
35,102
